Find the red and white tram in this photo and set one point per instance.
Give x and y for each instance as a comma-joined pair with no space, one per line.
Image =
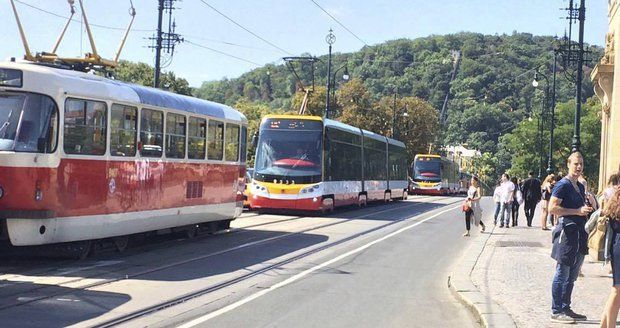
83,157
314,164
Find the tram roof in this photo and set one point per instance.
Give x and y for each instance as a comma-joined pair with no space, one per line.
90,85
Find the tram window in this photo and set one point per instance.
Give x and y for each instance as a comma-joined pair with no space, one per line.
232,142
123,134
215,140
151,132
175,135
38,128
197,138
85,127
243,141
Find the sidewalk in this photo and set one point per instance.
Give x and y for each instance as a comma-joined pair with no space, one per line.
513,269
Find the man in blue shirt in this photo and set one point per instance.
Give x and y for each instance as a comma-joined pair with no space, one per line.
570,240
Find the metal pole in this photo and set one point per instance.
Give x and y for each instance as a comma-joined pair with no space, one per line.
552,120
394,116
577,127
158,44
539,147
330,38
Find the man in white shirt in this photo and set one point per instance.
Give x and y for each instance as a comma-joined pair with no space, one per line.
506,199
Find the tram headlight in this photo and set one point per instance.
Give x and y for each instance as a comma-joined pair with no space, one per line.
1,192
310,189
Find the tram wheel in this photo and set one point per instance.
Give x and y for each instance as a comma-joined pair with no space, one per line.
121,243
191,232
387,197
362,201
224,224
82,249
328,206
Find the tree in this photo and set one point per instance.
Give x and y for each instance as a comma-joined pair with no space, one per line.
143,74
316,101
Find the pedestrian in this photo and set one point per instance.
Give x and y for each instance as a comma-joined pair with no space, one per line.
497,198
506,197
611,211
570,241
612,185
474,194
515,202
547,188
531,195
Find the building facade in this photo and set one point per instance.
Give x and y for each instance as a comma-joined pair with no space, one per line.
605,80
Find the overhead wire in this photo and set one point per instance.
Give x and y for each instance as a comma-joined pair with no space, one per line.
222,53
339,23
77,21
244,28
227,43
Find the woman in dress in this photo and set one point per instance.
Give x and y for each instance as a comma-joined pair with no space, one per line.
474,194
547,188
611,210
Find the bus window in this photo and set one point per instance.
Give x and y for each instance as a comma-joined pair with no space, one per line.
151,132
215,140
197,138
85,127
123,130
232,142
175,135
38,128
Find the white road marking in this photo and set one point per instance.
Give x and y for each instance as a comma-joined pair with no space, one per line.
302,274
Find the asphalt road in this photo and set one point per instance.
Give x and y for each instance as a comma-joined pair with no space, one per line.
381,266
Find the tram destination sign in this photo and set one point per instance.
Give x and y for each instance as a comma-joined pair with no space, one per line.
11,78
292,124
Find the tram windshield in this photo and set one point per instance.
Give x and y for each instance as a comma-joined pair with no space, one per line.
28,122
427,170
289,156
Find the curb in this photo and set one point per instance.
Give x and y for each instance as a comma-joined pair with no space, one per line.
489,313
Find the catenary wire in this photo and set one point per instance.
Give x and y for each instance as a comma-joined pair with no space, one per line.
244,28
339,23
222,53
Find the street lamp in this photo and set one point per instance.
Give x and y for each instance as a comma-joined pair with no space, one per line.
345,76
542,112
330,39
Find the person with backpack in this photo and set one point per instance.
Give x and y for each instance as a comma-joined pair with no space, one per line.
611,212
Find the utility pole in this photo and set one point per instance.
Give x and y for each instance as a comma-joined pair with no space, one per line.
165,41
394,115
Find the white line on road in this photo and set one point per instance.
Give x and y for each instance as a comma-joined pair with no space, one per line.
302,274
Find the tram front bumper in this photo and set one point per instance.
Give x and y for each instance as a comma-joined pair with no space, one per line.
301,204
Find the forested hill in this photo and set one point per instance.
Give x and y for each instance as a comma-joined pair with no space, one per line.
495,71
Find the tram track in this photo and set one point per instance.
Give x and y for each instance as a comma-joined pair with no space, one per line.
201,292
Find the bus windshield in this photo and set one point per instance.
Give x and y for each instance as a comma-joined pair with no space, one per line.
289,156
28,123
427,171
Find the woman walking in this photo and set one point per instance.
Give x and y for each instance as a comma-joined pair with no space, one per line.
474,194
515,202
547,188
611,210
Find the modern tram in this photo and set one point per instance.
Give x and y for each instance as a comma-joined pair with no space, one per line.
83,157
434,175
309,163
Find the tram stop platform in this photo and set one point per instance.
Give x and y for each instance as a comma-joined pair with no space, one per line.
505,277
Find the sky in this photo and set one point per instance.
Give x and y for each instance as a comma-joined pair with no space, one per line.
267,30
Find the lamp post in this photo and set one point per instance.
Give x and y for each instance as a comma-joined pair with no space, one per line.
552,120
540,122
345,76
330,39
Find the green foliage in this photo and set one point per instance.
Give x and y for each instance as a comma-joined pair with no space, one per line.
143,74
254,113
522,142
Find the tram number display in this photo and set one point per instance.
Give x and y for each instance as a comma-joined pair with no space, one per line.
288,124
11,78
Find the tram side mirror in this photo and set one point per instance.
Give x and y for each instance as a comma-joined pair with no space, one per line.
255,140
41,145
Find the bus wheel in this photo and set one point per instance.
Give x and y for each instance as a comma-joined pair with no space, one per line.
362,201
328,206
121,243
